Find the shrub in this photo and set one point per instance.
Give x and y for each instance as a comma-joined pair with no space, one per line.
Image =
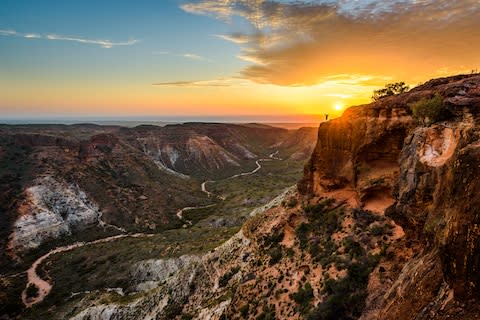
292,202
273,239
330,222
244,310
275,255
32,291
290,253
346,296
223,281
390,90
173,309
353,247
267,314
302,234
377,230
319,207
303,297
431,110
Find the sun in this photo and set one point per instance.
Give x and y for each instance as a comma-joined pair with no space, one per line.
338,106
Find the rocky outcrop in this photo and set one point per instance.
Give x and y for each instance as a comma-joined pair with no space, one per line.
427,179
359,151
50,210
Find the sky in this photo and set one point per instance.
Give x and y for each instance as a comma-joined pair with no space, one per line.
174,58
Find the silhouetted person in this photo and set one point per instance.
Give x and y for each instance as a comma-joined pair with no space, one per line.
326,116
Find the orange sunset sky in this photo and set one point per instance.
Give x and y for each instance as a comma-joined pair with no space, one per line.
224,57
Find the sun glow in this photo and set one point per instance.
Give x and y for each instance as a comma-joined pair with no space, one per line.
338,106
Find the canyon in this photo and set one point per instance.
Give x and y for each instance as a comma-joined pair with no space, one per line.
382,225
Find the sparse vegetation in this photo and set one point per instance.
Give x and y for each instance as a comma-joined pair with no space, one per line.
303,298
346,296
323,221
225,278
429,111
173,309
244,311
292,202
275,255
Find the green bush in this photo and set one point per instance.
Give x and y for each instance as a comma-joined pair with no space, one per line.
273,239
390,90
303,297
268,313
275,255
353,248
378,230
292,202
223,281
244,310
431,110
32,291
302,232
346,296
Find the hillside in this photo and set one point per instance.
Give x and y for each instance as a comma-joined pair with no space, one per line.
383,227
62,184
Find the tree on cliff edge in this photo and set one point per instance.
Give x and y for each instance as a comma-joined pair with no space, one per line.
390,90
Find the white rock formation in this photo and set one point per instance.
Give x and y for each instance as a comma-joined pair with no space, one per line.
51,209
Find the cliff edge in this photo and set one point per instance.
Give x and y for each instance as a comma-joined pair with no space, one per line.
427,179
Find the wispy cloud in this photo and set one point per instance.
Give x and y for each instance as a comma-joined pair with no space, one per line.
107,44
221,82
186,55
32,36
235,37
8,33
301,42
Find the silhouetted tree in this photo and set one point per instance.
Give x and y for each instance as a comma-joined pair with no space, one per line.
390,90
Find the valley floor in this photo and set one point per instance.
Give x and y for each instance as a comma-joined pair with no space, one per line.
76,269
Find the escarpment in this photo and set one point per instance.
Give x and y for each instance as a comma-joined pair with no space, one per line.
358,152
427,179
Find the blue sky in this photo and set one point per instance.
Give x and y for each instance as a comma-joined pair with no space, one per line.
158,26
210,57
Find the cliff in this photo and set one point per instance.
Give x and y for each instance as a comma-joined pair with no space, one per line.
426,178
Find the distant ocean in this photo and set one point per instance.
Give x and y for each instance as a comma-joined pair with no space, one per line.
291,122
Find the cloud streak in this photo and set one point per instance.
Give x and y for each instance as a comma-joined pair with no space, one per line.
107,44
186,55
294,43
221,82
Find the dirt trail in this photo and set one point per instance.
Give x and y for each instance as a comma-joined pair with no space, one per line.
181,211
44,287
272,156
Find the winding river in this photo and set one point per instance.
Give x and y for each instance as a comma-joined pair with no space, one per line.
44,287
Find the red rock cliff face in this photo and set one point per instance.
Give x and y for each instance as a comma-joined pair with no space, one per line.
359,151
429,178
